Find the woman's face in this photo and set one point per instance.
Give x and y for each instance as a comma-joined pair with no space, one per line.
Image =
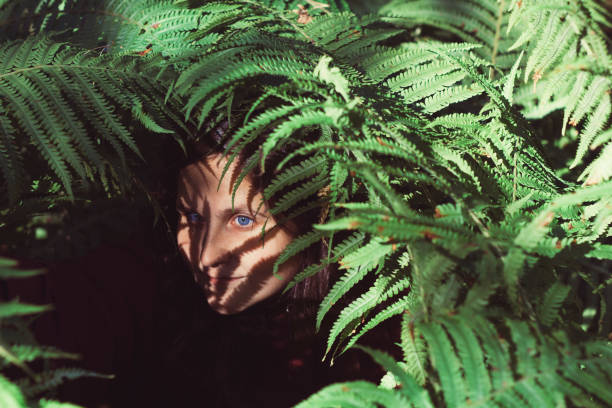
224,247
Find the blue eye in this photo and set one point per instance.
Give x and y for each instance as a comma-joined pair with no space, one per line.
244,221
193,218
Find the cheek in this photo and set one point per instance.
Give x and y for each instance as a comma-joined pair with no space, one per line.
275,248
183,241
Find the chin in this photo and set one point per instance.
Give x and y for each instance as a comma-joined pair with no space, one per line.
225,309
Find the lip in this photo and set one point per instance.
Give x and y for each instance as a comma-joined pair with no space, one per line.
219,279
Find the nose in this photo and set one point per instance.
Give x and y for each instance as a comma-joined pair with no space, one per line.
213,251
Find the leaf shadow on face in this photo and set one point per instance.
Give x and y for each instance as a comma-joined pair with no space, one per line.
257,275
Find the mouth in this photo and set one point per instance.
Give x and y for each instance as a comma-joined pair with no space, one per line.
220,279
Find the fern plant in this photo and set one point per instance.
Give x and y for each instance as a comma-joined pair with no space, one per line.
433,136
17,353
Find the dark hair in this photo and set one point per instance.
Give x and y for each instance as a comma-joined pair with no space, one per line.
307,294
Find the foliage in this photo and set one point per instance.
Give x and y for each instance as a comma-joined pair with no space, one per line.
18,348
434,130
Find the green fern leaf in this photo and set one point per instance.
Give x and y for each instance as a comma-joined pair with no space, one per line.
333,76
298,194
247,68
10,394
347,246
251,130
298,244
548,309
446,364
453,157
356,394
600,251
54,378
27,353
290,125
398,306
413,347
34,128
596,122
100,106
358,264
599,170
384,285
594,93
292,175
466,121
10,159
472,359
418,75
16,308
509,83
44,403
409,388
422,90
9,269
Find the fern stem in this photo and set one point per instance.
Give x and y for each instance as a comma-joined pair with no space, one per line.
514,179
498,24
10,357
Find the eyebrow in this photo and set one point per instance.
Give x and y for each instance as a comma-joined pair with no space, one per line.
182,207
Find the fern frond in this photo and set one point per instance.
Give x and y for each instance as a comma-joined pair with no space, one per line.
249,131
292,175
11,161
548,309
28,353
296,195
398,306
9,269
291,124
357,308
509,82
423,73
466,121
358,263
413,348
452,157
545,41
446,364
16,308
356,394
52,379
472,21
245,69
409,61
590,98
574,97
472,359
599,170
10,394
34,127
596,122
409,387
298,244
346,246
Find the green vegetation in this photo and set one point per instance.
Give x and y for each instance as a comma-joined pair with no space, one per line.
465,146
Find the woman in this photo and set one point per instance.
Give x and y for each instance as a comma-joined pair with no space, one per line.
222,240
230,239
248,344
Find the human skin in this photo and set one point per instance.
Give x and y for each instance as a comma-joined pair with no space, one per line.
223,247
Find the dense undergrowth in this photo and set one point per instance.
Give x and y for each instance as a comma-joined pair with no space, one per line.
464,145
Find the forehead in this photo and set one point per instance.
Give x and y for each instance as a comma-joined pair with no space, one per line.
203,180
